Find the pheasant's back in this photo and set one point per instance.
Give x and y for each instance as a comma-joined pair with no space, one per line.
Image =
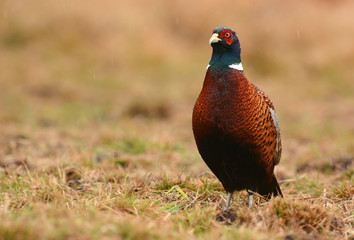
235,131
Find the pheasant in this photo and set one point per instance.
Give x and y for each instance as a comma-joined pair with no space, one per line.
235,125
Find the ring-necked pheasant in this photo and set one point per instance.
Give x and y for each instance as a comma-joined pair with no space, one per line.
235,125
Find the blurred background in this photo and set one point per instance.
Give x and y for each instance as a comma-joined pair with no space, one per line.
79,76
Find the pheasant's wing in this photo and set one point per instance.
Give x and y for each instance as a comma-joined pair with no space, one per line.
278,146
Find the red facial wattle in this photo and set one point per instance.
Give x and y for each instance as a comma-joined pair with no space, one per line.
227,36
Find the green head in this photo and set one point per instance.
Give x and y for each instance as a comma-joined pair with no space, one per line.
226,48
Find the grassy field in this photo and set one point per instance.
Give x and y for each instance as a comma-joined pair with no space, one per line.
95,119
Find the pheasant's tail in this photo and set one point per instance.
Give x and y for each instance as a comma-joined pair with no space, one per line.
270,189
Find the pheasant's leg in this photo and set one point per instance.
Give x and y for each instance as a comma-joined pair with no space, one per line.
229,195
250,199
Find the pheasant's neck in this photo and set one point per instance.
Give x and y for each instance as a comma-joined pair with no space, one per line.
225,60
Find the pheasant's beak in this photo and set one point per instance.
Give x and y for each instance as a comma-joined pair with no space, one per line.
214,38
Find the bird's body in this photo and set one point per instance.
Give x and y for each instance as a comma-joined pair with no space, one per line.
236,128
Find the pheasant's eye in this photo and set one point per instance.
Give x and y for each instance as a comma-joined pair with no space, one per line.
227,34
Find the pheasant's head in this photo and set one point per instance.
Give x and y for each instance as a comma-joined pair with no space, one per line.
226,47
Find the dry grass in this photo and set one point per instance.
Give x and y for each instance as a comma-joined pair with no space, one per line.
95,114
